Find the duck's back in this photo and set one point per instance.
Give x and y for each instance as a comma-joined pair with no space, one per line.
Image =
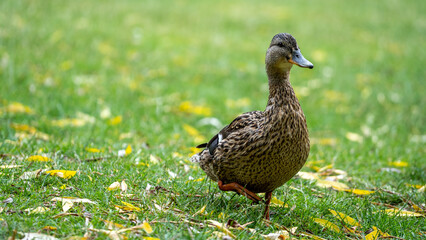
261,151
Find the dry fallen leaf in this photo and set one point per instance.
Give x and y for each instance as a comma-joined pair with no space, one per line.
418,186
66,174
92,150
37,210
114,186
201,211
345,218
277,202
331,184
67,205
10,166
49,228
37,158
359,191
399,164
128,207
307,175
154,159
188,107
375,234
16,107
221,227
115,120
112,225
401,213
197,137
354,137
73,199
32,174
327,224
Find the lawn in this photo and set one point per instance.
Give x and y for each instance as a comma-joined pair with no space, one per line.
121,91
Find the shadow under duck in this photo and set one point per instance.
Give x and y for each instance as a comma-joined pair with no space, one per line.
260,151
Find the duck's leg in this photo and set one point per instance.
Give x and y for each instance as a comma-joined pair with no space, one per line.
239,189
268,197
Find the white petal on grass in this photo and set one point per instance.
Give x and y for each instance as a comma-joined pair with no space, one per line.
74,200
121,153
32,174
67,205
37,210
172,174
123,186
10,166
8,200
307,175
211,121
37,236
354,137
105,113
114,186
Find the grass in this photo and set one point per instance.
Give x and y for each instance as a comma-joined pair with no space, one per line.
142,59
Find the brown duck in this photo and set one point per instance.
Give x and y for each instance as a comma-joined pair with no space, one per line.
260,151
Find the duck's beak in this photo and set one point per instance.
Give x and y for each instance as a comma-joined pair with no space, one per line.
299,60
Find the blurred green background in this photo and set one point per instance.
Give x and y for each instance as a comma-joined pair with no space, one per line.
141,60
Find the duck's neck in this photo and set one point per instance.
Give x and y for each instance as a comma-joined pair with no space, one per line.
281,93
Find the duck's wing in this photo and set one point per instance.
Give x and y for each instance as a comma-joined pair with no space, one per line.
244,122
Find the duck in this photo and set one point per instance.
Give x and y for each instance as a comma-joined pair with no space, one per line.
259,151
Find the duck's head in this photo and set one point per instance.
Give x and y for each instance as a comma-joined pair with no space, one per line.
283,52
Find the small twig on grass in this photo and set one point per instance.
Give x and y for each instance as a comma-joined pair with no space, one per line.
383,204
392,237
281,227
4,155
96,159
409,202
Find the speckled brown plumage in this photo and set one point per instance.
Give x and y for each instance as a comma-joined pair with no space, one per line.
262,150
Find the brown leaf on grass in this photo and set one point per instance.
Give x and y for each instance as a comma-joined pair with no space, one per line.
49,228
235,225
